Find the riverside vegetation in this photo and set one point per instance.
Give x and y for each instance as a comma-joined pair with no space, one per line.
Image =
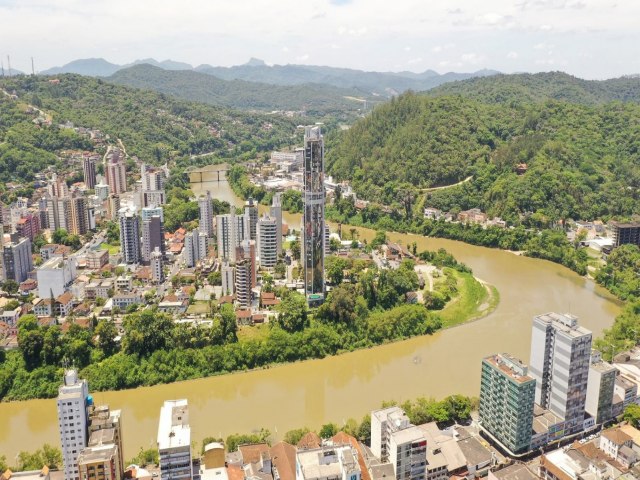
368,311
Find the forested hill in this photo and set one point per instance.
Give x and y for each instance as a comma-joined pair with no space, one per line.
539,87
153,126
314,99
581,161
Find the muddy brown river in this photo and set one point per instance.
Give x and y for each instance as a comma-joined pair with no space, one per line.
314,392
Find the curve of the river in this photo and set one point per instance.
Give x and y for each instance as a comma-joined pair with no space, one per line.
333,389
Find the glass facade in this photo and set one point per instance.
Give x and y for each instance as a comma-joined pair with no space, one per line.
313,218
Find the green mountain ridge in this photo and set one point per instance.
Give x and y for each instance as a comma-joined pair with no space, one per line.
153,126
583,158
533,88
316,100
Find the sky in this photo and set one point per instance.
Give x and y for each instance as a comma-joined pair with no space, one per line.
593,39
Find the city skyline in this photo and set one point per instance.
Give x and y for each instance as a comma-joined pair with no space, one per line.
592,39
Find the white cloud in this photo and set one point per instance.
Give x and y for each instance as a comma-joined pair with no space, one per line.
302,58
472,58
407,49
512,55
369,33
414,61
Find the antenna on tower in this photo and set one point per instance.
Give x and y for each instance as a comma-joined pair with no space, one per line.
33,69
9,64
2,66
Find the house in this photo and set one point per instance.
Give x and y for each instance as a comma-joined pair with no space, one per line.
613,440
268,300
283,460
43,307
63,304
432,213
475,215
309,440
174,305
28,286
10,317
123,301
243,317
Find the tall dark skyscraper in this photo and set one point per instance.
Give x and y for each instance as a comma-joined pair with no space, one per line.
313,218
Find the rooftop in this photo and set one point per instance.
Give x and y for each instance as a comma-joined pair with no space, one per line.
566,323
100,453
326,461
617,436
173,429
515,472
511,366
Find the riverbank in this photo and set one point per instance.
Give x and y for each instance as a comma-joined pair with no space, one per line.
477,299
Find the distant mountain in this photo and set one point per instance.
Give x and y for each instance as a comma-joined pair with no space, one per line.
383,84
92,67
200,87
165,64
524,88
377,83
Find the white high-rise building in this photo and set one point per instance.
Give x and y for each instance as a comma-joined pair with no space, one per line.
157,274
196,244
129,235
395,440
72,421
228,279
56,275
174,441
17,261
206,214
276,213
102,191
229,238
560,354
250,218
59,213
267,233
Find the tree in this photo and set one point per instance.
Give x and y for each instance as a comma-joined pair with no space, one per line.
228,323
294,436
267,283
379,239
263,436
364,432
10,286
340,305
280,269
632,415
328,430
295,249
207,440
292,313
146,332
107,332
335,269
215,278
30,340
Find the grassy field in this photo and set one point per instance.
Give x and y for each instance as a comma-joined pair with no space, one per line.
474,300
254,332
198,308
113,249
